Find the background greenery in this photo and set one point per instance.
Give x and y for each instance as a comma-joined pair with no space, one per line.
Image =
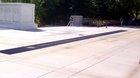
57,12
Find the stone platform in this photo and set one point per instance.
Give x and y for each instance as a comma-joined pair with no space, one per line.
110,56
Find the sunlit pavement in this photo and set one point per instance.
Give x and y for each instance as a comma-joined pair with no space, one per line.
110,56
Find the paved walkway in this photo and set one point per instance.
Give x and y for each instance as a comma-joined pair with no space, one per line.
14,38
111,56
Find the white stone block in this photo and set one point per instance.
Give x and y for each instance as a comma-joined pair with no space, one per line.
77,20
17,16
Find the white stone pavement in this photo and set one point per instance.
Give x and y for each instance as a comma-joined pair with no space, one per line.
112,56
15,38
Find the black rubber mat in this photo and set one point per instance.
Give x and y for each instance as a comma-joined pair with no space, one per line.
54,43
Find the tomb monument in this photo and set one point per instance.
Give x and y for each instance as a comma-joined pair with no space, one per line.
17,16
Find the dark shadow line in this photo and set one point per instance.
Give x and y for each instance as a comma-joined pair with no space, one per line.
49,44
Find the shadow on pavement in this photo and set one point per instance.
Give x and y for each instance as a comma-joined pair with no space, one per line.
31,30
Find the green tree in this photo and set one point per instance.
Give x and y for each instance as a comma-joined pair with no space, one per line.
113,9
123,8
82,7
136,10
127,7
40,11
101,8
58,11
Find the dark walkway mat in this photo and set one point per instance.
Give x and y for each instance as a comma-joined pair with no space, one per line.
54,43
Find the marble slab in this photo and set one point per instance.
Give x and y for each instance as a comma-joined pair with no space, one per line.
17,16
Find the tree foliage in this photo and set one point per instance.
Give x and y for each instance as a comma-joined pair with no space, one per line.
58,11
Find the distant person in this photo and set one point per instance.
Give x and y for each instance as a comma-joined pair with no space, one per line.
71,22
121,21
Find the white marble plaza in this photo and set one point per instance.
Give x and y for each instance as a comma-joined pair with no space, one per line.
111,56
15,38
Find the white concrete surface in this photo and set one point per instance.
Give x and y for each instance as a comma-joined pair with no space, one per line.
17,16
15,38
112,56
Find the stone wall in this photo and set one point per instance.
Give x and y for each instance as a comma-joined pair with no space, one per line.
77,20
17,16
